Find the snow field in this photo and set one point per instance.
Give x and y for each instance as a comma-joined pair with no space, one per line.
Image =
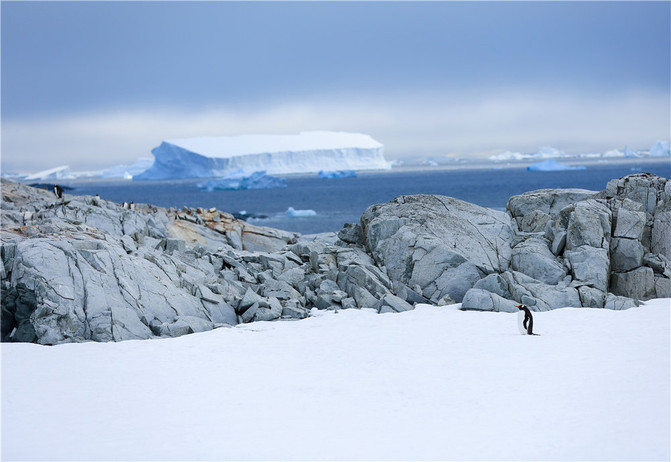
433,383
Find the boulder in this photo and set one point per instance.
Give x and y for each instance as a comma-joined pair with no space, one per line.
534,258
662,287
495,284
589,266
351,233
661,234
540,296
589,224
614,302
533,222
294,309
393,304
591,297
629,224
445,231
625,254
532,210
647,189
638,284
482,300
659,263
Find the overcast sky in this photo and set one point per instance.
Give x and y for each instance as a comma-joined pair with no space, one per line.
93,85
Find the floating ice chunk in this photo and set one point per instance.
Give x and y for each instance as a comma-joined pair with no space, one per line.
552,165
548,152
242,180
613,153
508,155
127,172
337,174
544,152
660,149
291,212
57,173
629,153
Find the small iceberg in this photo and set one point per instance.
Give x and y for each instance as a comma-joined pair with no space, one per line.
337,174
127,172
240,180
660,149
552,165
291,212
629,153
58,173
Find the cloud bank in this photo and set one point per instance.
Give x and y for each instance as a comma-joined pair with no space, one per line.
408,125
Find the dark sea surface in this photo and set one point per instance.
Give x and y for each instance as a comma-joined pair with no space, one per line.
340,201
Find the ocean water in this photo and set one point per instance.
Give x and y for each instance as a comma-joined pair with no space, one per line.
340,201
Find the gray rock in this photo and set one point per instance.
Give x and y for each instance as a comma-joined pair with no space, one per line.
532,210
589,224
661,234
248,315
646,189
248,300
638,284
482,300
294,310
183,325
540,296
221,312
659,263
533,258
293,276
589,266
417,238
454,283
351,233
625,254
495,284
591,297
662,287
614,302
392,303
629,224
363,298
534,222
268,310
409,295
360,277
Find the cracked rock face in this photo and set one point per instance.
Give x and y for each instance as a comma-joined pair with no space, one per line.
439,244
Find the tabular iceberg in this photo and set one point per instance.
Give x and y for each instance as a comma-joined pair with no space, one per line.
307,152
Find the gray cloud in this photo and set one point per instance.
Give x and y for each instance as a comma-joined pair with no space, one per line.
413,124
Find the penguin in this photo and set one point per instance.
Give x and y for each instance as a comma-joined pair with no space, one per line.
58,191
132,205
126,205
525,321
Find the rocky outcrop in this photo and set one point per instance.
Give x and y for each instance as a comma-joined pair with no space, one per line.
613,244
437,245
81,268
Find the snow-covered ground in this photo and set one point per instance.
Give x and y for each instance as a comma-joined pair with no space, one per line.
433,383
